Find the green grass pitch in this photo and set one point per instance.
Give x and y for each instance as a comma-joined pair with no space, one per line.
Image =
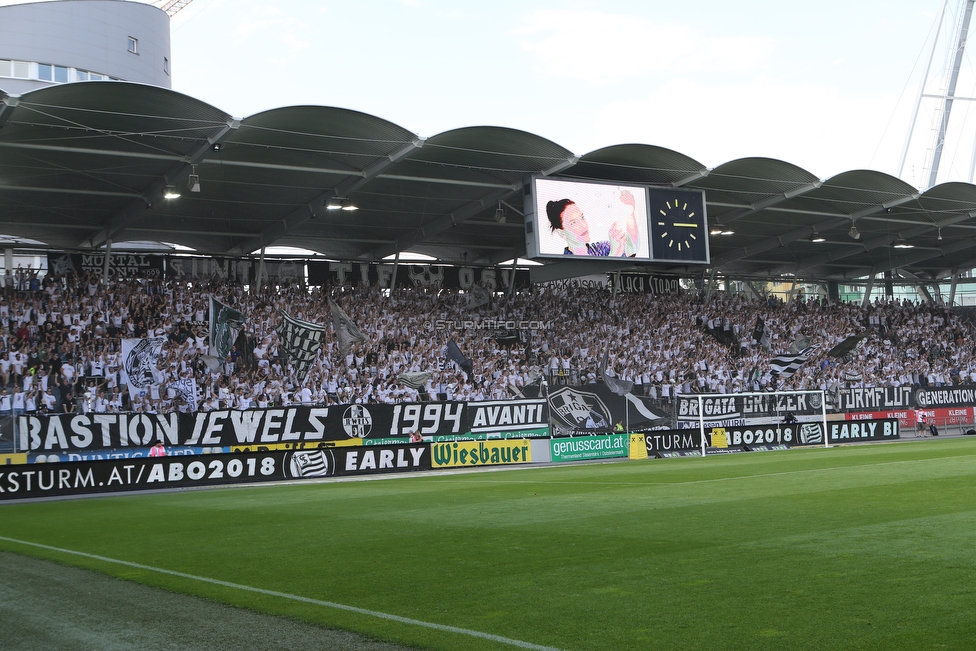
862,547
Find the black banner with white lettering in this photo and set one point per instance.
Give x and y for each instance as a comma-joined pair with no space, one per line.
188,267
421,276
793,434
120,265
508,418
959,396
643,284
717,408
873,398
672,440
148,473
856,431
59,433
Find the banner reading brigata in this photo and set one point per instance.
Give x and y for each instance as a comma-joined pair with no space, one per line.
226,428
148,473
718,408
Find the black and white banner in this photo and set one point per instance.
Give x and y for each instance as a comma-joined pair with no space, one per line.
346,331
300,340
643,284
672,440
421,276
120,265
873,398
855,431
140,358
59,433
225,325
149,473
595,407
787,364
795,434
960,396
733,406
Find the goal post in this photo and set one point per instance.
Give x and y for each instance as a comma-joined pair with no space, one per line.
763,414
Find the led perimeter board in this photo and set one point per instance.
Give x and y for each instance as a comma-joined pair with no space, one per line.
583,219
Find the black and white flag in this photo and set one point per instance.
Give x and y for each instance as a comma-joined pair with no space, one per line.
186,391
477,296
615,384
347,332
414,380
786,365
225,325
455,355
761,333
312,464
300,340
139,361
798,345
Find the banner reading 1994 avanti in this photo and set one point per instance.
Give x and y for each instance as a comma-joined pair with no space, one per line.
367,424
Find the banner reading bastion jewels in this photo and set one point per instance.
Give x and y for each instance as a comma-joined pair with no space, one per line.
309,426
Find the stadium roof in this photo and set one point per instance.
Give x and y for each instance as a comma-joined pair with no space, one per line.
84,163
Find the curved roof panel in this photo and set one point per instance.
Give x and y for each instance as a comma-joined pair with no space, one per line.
637,163
83,164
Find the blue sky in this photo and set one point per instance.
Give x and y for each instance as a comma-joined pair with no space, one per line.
828,86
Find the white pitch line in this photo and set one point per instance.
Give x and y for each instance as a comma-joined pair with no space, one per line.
293,597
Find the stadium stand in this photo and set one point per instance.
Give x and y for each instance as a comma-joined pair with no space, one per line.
61,343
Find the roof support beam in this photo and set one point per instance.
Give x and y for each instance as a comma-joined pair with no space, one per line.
48,190
135,208
7,108
877,242
774,242
769,202
89,151
462,214
916,257
303,214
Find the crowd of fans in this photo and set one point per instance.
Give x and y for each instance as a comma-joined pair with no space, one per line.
61,344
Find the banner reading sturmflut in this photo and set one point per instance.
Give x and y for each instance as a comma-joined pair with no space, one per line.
300,340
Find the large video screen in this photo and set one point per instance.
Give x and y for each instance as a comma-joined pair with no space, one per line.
578,219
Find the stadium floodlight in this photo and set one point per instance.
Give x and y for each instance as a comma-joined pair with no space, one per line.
334,204
347,204
171,192
902,244
817,237
500,214
193,181
854,233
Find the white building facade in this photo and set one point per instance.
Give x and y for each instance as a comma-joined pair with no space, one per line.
48,43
